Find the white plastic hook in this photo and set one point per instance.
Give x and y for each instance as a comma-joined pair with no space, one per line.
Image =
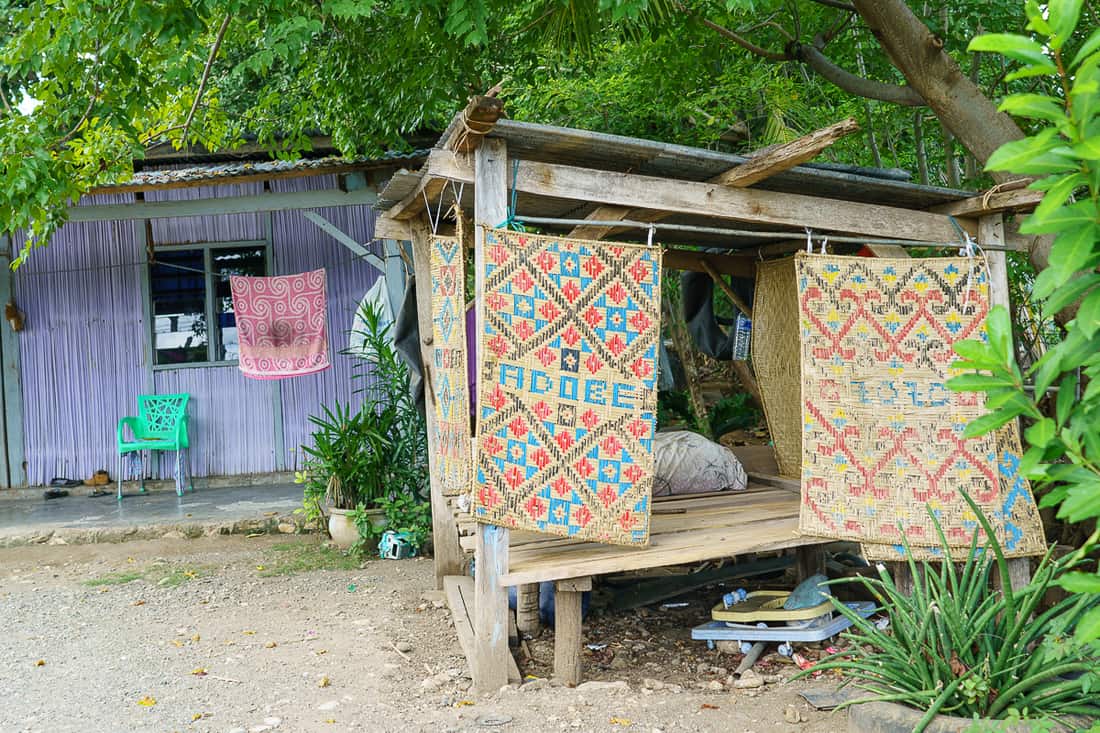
809,241
649,236
824,242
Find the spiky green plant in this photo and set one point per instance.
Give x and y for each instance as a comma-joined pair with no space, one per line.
957,647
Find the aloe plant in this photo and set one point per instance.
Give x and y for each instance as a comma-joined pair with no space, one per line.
955,646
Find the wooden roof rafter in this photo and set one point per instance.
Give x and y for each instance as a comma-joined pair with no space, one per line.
675,196
761,164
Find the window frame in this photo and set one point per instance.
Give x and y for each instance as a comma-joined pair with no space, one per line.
209,304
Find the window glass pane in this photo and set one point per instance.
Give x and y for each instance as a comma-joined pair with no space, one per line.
179,306
231,261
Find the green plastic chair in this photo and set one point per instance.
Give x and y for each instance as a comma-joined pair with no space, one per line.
161,424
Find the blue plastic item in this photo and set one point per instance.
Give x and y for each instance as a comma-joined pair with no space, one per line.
395,546
546,602
734,597
818,629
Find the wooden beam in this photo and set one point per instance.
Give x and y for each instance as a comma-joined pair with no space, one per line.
221,206
491,549
387,228
714,201
568,629
460,599
429,190
727,289
474,123
991,231
336,233
778,158
686,259
992,202
762,164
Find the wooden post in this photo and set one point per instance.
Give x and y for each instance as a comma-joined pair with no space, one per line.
568,629
809,561
490,662
527,608
991,231
490,669
446,549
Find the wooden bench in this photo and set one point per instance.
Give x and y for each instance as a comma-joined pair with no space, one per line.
683,530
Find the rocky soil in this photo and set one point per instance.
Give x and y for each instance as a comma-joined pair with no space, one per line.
236,634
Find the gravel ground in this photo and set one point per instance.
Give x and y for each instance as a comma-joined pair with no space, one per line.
255,634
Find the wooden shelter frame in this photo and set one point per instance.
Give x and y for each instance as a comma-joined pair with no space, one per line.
475,152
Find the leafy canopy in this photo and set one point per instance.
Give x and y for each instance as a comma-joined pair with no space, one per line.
86,86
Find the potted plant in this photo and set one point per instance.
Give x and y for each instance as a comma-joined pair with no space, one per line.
960,656
370,462
389,406
342,469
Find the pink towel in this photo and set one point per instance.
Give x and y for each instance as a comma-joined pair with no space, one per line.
281,324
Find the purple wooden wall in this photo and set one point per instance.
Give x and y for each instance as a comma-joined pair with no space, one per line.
299,245
82,349
230,420
84,344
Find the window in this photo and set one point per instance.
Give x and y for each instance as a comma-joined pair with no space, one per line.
189,289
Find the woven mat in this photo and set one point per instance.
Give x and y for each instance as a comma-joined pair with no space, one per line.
882,435
774,359
448,373
567,393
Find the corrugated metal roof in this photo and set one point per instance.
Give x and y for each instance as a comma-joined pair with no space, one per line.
215,173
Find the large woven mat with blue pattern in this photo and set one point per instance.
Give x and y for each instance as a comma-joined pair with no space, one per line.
567,393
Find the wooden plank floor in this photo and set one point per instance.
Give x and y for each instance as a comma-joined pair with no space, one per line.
683,529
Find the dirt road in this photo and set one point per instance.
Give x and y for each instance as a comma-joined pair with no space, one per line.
256,634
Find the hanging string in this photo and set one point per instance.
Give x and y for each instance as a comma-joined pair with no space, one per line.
511,222
967,250
434,221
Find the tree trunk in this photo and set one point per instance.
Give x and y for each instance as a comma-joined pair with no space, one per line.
919,56
957,101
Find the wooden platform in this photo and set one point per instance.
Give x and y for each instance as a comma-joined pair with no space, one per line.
682,530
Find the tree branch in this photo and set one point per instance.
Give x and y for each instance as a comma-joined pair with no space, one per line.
7,105
205,78
858,85
735,37
76,128
837,4
745,43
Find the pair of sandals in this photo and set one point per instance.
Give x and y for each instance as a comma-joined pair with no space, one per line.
59,484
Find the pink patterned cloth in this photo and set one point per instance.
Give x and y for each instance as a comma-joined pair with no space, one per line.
281,324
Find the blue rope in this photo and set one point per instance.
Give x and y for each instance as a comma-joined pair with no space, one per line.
511,222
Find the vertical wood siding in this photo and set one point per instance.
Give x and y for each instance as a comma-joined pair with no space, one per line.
84,344
195,229
299,245
230,420
82,349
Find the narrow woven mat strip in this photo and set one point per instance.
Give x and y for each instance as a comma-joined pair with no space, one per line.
567,388
448,368
882,434
775,359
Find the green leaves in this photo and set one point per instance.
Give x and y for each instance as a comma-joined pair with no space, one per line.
1036,155
1062,16
1018,48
